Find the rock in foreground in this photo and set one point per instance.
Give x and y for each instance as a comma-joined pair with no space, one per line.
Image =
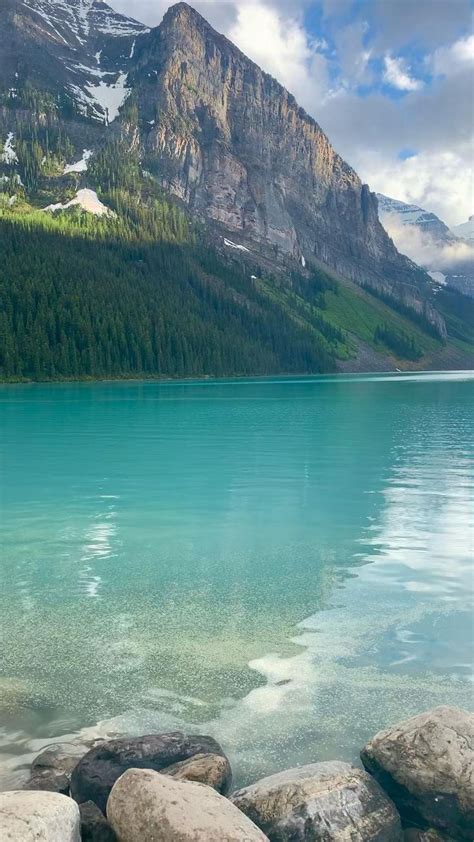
52,769
95,775
94,825
321,801
426,764
33,816
211,769
145,806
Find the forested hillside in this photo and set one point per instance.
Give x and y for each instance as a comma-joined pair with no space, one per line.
142,293
78,301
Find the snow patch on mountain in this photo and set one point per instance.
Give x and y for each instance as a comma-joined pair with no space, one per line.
105,98
110,97
438,277
79,166
9,155
87,199
232,245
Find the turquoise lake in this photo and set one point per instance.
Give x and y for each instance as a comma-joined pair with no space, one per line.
283,563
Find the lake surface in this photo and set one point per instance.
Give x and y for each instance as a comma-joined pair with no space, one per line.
285,563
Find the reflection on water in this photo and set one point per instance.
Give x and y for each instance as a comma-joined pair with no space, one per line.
99,543
286,564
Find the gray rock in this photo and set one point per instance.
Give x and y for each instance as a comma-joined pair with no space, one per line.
96,773
211,769
145,806
94,825
49,781
38,817
321,801
426,764
51,770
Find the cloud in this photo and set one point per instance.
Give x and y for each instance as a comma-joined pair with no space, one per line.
434,181
420,246
397,75
454,58
425,22
278,45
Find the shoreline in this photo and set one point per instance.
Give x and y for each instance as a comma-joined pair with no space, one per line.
412,785
223,379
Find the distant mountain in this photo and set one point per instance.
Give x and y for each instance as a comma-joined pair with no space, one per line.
447,255
171,141
408,214
465,230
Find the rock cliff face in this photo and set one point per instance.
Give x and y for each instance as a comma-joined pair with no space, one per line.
213,128
232,143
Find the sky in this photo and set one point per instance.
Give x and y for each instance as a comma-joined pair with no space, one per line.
389,81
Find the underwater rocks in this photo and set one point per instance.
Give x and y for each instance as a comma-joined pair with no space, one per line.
417,786
327,801
145,806
96,773
426,765
52,769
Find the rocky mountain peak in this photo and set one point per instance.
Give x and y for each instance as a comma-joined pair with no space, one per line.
215,131
231,142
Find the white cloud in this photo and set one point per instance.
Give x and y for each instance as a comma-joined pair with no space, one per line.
398,76
439,182
280,46
420,247
454,58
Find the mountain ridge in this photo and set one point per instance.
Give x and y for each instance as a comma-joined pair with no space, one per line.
199,127
445,253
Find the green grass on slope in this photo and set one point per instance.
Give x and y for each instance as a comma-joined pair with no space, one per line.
361,314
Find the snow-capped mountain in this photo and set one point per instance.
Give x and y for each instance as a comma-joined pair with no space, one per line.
465,230
447,255
78,49
69,20
407,214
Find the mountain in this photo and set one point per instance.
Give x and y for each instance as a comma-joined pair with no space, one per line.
76,50
465,231
447,255
172,148
408,214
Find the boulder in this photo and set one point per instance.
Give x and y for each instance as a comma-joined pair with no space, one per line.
145,806
34,816
49,781
426,765
51,770
94,825
211,769
322,801
96,773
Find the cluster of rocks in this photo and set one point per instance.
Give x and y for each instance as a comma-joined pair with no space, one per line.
417,785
